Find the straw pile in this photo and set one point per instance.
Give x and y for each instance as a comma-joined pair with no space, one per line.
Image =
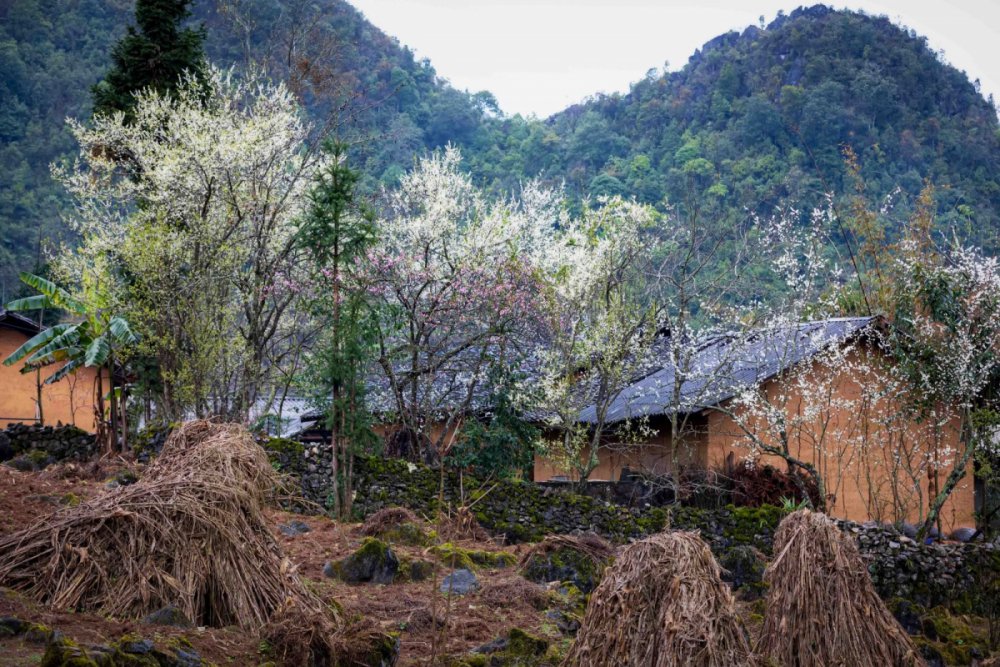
821,606
190,533
386,519
510,590
461,525
662,604
592,545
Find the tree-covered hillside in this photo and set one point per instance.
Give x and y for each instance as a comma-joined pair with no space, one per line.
762,117
353,78
754,120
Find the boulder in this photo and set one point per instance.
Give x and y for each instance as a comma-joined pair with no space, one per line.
962,534
564,564
294,528
169,615
374,562
460,582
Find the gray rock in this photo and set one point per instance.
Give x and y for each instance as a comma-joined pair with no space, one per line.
495,646
21,463
293,528
11,627
375,562
962,534
137,647
169,615
460,582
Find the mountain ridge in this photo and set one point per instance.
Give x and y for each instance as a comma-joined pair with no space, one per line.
755,120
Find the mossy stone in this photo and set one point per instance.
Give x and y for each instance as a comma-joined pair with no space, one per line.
373,562
406,533
517,649
523,645
954,637
36,633
66,653
39,458
564,564
472,559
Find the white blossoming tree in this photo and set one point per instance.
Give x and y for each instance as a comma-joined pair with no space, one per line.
599,325
453,279
186,216
949,336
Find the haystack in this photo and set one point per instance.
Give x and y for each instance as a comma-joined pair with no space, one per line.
190,533
592,545
821,606
662,604
579,559
387,518
462,525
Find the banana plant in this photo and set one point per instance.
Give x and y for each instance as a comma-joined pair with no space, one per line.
93,340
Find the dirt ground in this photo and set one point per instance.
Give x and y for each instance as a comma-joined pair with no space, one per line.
427,622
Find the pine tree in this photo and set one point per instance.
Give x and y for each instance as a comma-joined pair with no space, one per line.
154,56
335,231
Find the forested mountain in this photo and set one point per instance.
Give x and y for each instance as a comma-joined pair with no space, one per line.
764,116
754,120
389,105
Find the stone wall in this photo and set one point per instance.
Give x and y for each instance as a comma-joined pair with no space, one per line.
962,576
32,447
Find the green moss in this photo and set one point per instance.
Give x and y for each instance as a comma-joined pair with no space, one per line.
417,570
567,565
523,645
955,637
654,521
471,559
521,650
70,500
66,653
750,522
284,446
38,457
38,633
407,533
180,641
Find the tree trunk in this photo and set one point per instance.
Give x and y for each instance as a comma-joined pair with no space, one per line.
956,475
99,424
113,434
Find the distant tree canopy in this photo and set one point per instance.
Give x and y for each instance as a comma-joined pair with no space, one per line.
155,56
754,120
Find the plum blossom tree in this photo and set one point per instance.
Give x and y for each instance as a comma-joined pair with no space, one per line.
599,325
194,231
948,326
792,415
454,283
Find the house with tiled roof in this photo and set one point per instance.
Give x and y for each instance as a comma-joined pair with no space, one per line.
878,461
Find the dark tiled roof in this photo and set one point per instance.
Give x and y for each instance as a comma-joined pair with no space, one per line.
18,322
720,366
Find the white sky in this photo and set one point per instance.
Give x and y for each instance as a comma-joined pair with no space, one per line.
540,56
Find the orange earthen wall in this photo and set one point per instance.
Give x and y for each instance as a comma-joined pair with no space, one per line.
652,456
70,401
872,471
